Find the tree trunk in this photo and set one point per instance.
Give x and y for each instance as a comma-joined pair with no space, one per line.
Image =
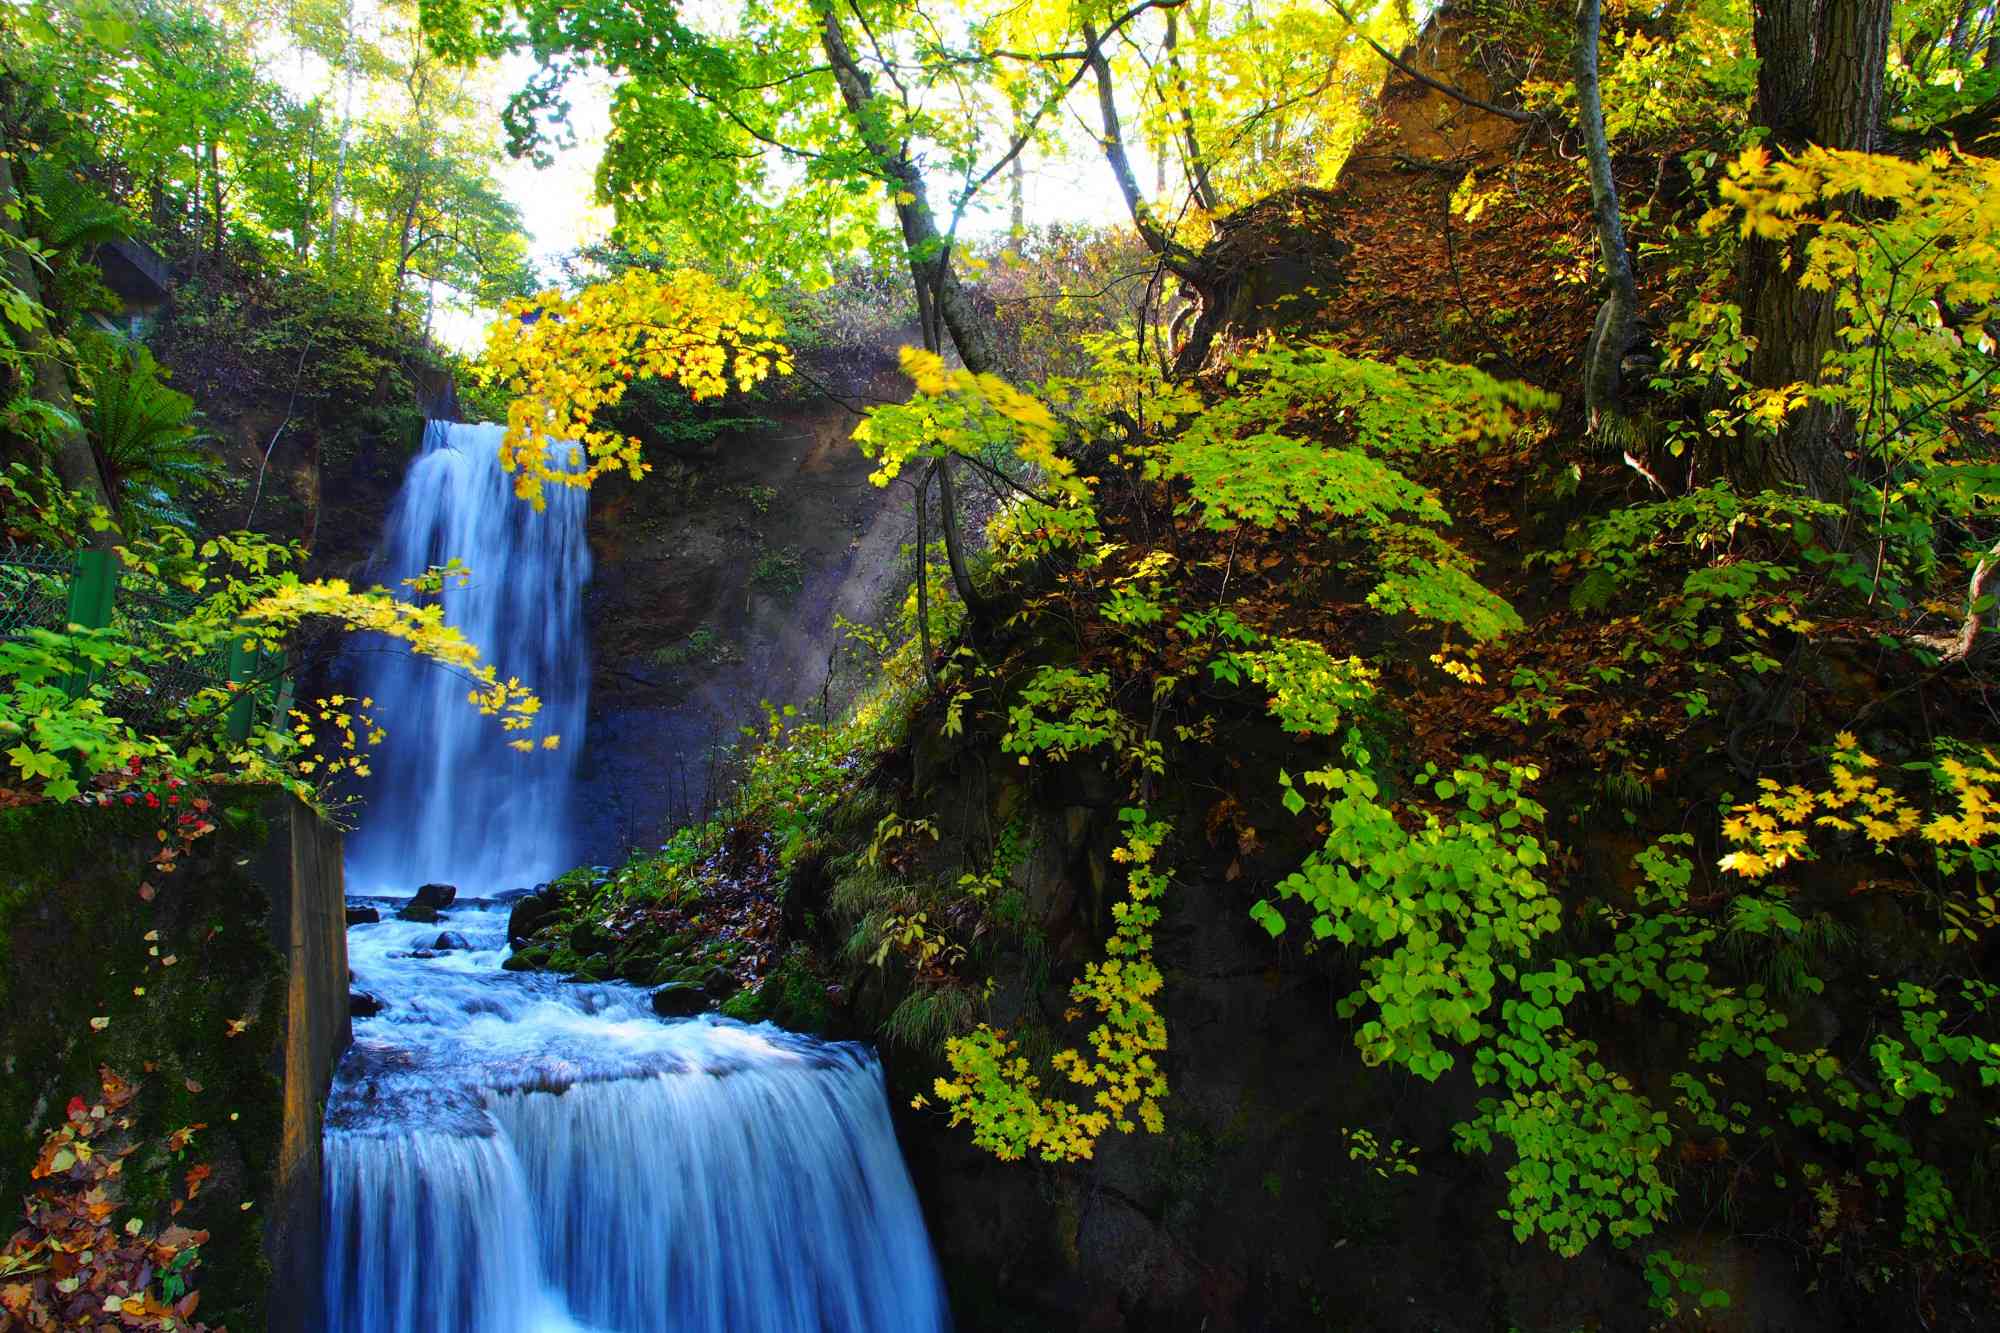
954,551
1197,160
1017,197
332,247
1176,256
215,197
75,461
1617,318
941,297
1819,81
971,332
403,252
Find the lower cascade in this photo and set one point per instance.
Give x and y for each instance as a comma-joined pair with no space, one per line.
510,1153
507,1152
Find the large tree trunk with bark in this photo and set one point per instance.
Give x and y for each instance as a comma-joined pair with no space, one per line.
1819,81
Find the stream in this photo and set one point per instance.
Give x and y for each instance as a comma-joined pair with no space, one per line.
508,1152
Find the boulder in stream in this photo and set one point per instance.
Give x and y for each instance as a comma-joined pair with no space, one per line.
450,940
679,999
362,916
416,912
363,1005
437,897
530,914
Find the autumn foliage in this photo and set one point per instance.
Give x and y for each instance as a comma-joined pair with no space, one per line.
75,1263
564,359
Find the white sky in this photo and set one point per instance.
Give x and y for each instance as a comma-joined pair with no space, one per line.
558,209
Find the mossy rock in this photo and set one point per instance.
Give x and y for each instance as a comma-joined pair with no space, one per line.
705,975
792,996
744,1006
85,982
594,968
679,1000
527,958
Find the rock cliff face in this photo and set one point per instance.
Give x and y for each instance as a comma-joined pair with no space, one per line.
1249,1212
716,585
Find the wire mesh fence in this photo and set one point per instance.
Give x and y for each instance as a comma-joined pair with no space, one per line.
34,589
170,682
39,589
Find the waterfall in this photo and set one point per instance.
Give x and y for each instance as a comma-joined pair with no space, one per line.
510,1153
449,801
507,1152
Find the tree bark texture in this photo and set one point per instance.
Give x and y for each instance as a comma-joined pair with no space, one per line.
1177,257
1617,318
1819,81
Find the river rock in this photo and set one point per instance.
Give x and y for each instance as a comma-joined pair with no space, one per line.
416,912
527,958
679,999
421,953
529,915
450,940
362,916
437,897
363,1005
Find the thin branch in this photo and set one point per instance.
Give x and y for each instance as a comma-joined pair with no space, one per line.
1975,614
1027,132
1459,94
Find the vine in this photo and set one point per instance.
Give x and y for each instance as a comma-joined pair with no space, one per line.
992,1087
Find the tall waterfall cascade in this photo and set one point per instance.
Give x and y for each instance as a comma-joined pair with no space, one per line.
449,801
508,1152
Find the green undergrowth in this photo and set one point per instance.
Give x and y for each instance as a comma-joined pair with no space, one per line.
1292,690
706,909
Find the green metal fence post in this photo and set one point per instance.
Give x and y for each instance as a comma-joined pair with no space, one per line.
281,706
242,670
91,589
93,586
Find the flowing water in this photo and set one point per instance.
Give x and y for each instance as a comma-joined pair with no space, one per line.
507,1152
450,802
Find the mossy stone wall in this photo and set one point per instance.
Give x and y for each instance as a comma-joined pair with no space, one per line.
215,949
